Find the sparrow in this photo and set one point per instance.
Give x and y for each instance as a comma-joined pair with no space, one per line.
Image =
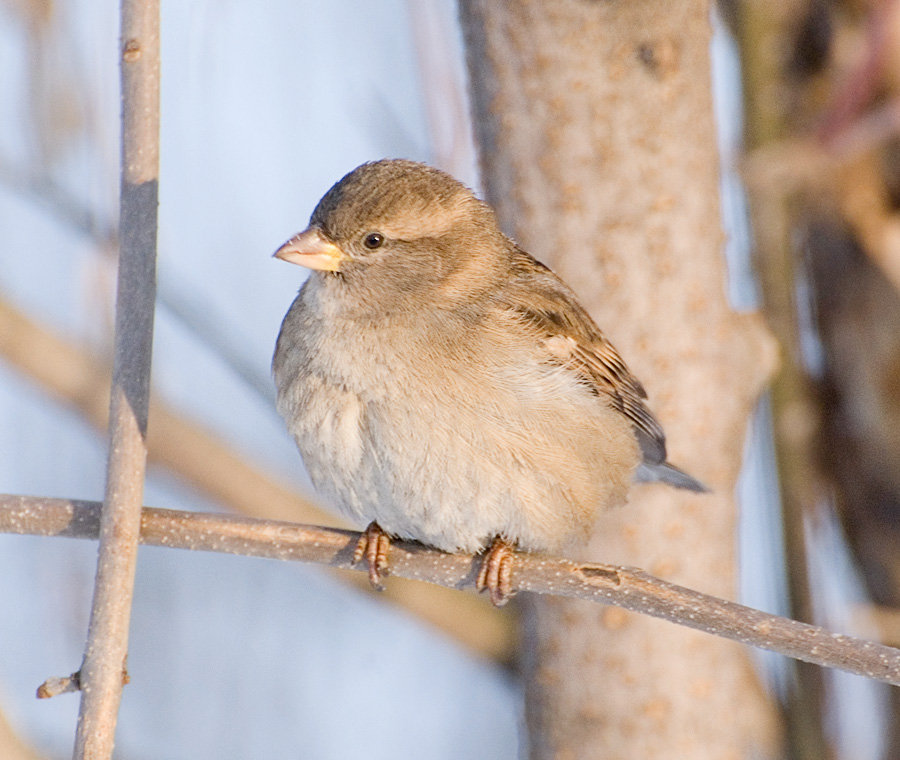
444,386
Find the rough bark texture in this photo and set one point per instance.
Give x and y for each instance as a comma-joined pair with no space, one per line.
598,149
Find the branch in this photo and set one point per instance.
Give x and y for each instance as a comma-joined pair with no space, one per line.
119,527
625,587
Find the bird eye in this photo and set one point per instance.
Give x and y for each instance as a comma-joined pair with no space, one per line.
373,240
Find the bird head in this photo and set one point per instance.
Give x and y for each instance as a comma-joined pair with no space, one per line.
402,227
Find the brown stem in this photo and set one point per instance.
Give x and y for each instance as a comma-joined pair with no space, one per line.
625,587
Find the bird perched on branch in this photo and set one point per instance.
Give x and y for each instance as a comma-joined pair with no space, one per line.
444,386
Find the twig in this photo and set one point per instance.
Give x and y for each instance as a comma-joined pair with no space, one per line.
53,687
609,584
107,641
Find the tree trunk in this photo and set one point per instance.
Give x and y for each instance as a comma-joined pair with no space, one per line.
598,150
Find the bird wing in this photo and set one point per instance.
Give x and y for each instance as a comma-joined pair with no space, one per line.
538,298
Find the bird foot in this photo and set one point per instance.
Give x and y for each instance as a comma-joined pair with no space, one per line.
496,571
374,545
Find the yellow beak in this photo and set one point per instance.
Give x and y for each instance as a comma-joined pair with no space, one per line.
310,249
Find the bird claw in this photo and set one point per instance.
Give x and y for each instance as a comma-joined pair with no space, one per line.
495,572
374,545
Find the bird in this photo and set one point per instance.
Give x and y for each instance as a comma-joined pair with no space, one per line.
444,386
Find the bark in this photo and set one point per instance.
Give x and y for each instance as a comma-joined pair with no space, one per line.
626,587
598,149
102,671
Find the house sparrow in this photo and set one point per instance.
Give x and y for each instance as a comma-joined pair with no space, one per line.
444,386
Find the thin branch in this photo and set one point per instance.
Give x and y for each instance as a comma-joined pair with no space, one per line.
119,529
57,685
609,584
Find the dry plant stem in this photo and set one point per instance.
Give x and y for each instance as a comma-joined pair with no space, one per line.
625,587
107,643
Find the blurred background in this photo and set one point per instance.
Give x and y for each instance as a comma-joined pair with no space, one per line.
264,106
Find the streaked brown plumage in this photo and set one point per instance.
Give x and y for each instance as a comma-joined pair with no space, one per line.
441,382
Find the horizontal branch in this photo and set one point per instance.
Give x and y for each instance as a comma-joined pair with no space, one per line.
610,584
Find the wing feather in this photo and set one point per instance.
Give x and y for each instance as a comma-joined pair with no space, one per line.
540,299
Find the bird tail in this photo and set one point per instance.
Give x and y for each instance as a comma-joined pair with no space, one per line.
667,473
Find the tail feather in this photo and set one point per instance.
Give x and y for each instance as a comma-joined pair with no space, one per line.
667,473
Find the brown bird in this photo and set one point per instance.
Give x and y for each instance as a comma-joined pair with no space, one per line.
444,386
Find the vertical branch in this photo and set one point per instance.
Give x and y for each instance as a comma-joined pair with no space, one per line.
598,147
104,661
775,212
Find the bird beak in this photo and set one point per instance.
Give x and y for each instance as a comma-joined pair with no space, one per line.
310,249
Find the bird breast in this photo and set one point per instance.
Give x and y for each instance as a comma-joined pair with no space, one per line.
422,427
